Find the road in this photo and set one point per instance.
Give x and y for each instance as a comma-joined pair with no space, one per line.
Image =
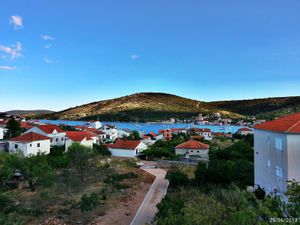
157,191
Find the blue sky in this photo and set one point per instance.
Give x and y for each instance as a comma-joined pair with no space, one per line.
60,53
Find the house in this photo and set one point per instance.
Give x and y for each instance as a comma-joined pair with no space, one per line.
99,133
193,148
221,134
205,132
277,153
30,144
111,131
55,133
94,124
85,138
123,133
178,131
127,148
1,133
167,134
26,125
245,131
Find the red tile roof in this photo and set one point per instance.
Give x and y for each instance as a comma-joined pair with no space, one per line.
95,131
26,125
125,144
49,128
192,144
286,124
30,137
200,129
244,129
79,135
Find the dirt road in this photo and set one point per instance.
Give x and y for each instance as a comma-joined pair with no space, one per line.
147,210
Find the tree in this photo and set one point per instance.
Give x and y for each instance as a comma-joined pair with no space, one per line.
177,178
79,156
35,169
293,194
134,135
101,149
14,128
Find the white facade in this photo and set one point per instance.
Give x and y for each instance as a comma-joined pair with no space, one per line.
203,153
57,139
1,133
128,152
85,142
276,159
112,132
95,124
30,148
122,133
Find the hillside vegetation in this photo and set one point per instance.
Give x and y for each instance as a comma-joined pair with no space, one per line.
145,107
141,107
267,108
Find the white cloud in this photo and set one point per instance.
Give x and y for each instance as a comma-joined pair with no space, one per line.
49,61
7,68
14,51
16,21
47,38
48,46
134,56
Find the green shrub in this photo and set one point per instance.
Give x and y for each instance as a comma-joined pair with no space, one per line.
88,203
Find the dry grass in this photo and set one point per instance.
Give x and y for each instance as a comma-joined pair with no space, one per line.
56,203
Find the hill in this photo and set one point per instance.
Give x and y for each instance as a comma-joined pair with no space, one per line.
140,107
29,113
265,108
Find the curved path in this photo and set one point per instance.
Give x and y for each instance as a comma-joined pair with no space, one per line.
157,191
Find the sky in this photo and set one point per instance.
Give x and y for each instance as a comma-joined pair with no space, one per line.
55,54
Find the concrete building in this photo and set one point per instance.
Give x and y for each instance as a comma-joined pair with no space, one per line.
85,138
245,131
193,148
277,153
30,144
55,133
127,148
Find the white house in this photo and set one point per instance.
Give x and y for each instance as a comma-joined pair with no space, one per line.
277,153
123,133
55,133
245,131
82,137
30,144
111,131
205,132
127,148
1,133
94,124
193,148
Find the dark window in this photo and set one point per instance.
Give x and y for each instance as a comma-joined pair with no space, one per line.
62,139
197,151
16,146
192,151
39,145
56,139
30,145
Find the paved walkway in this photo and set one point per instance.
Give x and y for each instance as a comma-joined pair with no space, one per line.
157,191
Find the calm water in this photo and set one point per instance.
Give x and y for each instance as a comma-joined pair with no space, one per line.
148,127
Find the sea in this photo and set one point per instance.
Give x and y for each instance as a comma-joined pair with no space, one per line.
150,126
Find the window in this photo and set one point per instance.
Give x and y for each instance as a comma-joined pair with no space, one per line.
278,172
192,151
278,144
197,151
38,145
30,145
56,139
62,138
16,146
269,163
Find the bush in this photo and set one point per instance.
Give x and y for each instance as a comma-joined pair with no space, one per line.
88,203
177,179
